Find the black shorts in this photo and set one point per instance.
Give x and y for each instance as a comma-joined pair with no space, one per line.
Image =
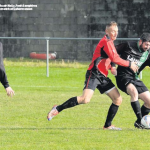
122,83
102,83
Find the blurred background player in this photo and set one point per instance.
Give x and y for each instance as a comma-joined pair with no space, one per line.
128,81
96,77
3,77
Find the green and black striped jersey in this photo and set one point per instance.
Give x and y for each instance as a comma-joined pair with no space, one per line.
132,52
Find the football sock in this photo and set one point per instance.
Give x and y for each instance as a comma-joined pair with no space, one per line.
69,103
144,110
111,114
137,110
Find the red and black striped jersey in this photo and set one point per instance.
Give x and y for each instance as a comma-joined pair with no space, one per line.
105,53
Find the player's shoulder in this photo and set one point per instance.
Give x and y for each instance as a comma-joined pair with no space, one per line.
106,38
122,45
132,43
103,41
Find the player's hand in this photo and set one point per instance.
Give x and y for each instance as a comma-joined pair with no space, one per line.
114,71
134,67
10,91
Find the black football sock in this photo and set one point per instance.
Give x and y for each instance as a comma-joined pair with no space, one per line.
137,110
144,110
111,114
69,103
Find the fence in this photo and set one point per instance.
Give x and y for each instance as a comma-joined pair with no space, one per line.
47,39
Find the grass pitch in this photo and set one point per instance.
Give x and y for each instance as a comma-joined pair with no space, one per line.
24,126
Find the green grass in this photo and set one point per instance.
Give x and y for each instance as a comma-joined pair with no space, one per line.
23,124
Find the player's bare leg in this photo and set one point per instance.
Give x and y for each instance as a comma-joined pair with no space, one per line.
86,96
117,100
72,102
132,91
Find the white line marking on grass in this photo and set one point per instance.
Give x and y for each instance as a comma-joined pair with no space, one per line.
45,86
46,128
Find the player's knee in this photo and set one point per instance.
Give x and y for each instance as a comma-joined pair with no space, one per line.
118,101
85,100
147,103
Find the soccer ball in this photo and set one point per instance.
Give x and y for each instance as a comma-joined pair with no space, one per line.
146,121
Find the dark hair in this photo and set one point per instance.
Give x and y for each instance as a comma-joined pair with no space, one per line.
145,37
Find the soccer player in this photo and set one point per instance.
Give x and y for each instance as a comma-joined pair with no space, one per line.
3,77
128,81
96,77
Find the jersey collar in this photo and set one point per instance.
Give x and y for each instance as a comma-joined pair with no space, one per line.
107,37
